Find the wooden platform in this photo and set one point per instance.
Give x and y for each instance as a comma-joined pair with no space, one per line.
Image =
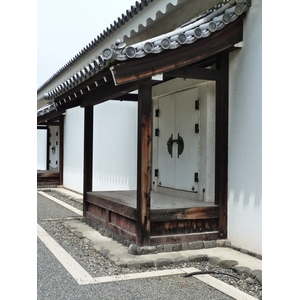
172,219
47,178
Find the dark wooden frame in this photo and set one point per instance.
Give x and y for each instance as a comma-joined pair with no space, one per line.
88,154
44,123
221,148
144,153
61,149
141,224
145,226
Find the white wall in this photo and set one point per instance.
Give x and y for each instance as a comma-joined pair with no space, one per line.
41,149
73,149
115,146
245,137
207,141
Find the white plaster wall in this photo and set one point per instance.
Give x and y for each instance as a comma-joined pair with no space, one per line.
245,137
41,149
115,146
73,149
207,141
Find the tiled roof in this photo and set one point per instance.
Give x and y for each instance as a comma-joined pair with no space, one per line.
214,19
46,109
134,10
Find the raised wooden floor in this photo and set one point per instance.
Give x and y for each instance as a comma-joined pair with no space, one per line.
172,219
47,178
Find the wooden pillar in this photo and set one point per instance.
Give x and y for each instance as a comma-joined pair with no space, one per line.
48,147
88,153
144,163
221,163
61,149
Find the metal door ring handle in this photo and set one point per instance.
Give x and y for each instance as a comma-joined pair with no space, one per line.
179,142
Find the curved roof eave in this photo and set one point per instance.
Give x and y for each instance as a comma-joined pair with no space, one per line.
215,19
153,14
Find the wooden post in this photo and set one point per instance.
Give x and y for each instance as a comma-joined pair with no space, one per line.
221,159
61,149
48,147
144,164
88,153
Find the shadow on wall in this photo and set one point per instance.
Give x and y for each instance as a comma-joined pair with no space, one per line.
245,198
245,219
112,182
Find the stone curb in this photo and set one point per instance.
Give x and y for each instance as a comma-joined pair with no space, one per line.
166,261
136,250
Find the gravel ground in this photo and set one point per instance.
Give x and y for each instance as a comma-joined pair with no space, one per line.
97,265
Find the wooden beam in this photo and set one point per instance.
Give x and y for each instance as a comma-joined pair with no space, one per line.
49,116
221,154
194,73
47,147
196,213
50,123
168,60
112,205
144,163
74,96
127,97
61,149
69,104
108,92
88,154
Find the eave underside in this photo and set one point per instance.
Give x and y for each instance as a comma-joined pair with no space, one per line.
188,61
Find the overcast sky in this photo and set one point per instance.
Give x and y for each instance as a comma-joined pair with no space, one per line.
65,27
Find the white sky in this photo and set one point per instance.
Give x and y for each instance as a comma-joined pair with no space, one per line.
65,27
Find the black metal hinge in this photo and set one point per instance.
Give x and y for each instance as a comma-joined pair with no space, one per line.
196,128
197,103
157,113
157,132
156,172
196,177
